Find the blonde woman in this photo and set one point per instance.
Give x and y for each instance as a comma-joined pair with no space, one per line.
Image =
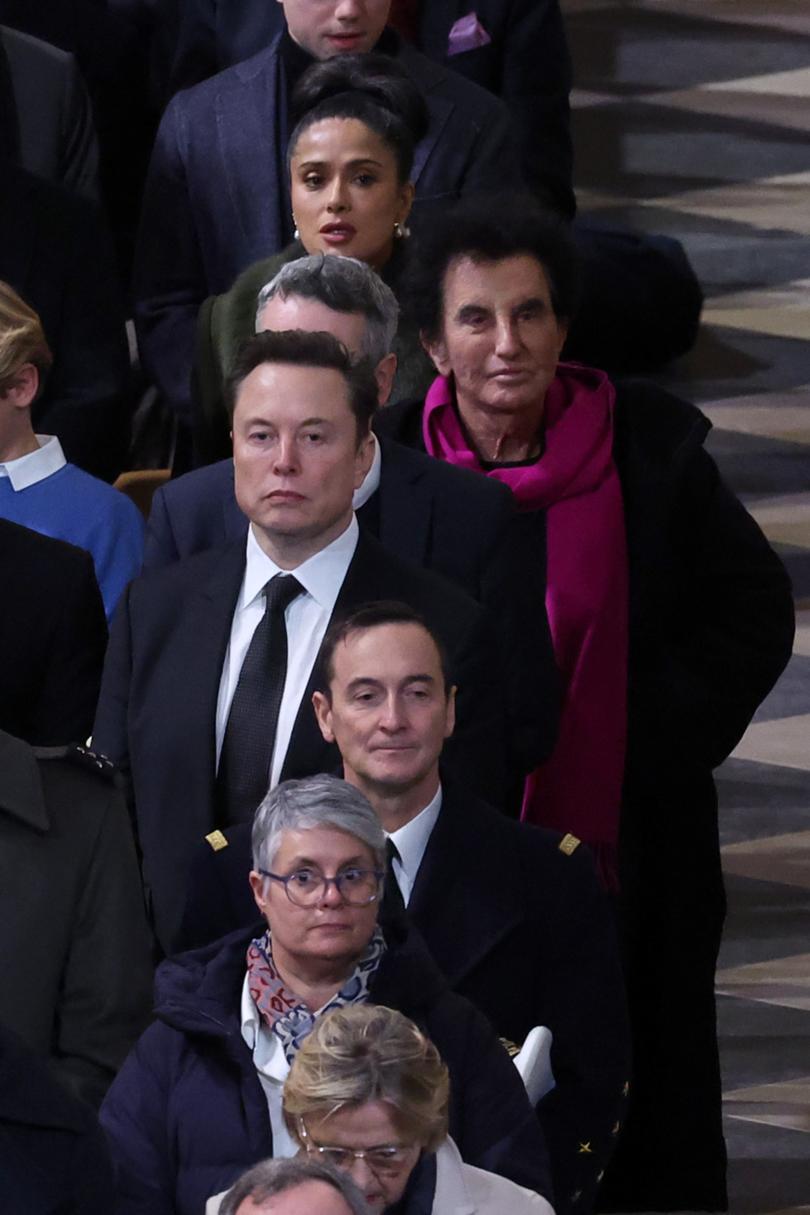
369,1093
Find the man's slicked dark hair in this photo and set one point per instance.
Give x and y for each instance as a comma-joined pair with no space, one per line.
300,349
489,229
374,616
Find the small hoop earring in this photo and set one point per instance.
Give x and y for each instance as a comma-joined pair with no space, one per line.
401,231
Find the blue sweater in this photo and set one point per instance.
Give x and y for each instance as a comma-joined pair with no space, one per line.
71,505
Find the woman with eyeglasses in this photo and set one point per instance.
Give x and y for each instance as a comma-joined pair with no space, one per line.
199,1100
368,1093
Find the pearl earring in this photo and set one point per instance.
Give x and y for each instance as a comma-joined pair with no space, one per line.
401,231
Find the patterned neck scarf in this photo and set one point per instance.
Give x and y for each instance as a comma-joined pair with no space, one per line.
283,1011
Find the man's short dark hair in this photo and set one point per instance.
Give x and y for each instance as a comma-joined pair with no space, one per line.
489,230
300,349
272,1177
374,616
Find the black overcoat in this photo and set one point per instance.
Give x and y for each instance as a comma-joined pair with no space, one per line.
75,950
710,630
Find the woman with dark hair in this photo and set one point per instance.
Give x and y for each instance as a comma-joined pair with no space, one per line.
356,122
671,619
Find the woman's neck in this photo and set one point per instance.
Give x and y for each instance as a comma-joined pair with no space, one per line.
314,981
503,438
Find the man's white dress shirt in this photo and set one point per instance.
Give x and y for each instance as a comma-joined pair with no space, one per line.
306,620
411,842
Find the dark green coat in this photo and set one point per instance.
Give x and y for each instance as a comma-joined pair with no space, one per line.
75,951
226,320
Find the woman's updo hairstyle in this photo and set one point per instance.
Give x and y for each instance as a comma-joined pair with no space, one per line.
375,90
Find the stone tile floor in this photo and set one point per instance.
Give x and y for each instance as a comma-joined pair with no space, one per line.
691,117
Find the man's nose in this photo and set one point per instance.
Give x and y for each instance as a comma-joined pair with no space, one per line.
348,10
392,716
286,456
506,336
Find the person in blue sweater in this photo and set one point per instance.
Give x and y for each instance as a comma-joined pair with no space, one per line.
38,488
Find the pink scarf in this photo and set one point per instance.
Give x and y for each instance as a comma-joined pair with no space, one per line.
578,790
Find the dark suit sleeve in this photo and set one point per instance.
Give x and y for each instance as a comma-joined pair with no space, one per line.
79,148
477,754
66,706
134,1117
495,163
160,545
106,995
590,1055
733,627
170,281
491,1119
111,727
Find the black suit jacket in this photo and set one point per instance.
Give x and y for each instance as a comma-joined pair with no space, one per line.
446,519
54,251
52,636
157,707
520,928
217,193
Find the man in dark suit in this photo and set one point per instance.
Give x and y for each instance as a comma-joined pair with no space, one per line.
75,950
512,914
53,631
417,507
467,37
197,236
206,694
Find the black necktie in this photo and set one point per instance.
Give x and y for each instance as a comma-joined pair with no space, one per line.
247,748
393,904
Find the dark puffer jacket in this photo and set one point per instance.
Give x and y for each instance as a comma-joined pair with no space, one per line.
187,1114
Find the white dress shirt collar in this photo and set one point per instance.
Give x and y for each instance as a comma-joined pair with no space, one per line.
320,575
411,842
36,465
371,481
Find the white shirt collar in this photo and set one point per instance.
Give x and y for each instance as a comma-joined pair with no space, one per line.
411,842
320,575
36,465
371,481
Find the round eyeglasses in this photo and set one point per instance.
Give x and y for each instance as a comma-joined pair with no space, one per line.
306,887
383,1159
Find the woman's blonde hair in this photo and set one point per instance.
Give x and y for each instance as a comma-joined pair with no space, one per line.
365,1052
21,338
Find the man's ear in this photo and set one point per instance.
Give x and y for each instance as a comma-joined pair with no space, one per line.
384,374
450,712
22,391
437,353
323,715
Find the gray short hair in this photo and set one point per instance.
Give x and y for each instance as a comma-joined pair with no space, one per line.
343,284
272,1177
315,801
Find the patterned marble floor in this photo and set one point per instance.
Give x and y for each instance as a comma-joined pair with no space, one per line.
692,117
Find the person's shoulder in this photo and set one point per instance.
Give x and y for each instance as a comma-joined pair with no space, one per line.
460,486
207,486
43,556
31,53
433,78
655,419
401,421
84,490
424,589
227,85
166,586
470,1188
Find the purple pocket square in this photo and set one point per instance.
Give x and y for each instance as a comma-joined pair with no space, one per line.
467,34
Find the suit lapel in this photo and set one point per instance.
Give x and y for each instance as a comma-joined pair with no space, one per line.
425,74
463,901
406,504
206,631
